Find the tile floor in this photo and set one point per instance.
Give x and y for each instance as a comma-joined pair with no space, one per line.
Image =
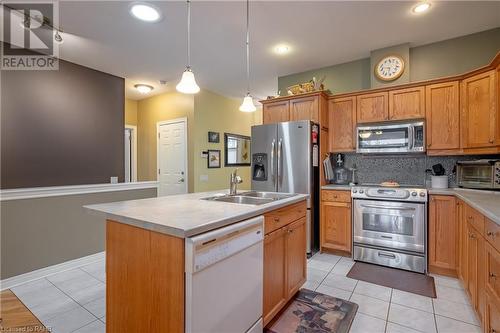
74,301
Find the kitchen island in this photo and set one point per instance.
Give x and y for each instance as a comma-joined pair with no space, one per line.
146,259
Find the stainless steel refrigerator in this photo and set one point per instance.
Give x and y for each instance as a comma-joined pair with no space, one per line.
285,159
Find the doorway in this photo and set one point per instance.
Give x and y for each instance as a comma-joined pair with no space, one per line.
172,157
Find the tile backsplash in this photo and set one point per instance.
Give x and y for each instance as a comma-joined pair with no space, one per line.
405,169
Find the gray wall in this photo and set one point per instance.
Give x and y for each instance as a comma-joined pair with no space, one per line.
445,58
63,127
37,233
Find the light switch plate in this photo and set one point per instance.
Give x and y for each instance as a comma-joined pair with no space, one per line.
114,180
203,178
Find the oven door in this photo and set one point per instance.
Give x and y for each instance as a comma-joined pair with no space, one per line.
390,224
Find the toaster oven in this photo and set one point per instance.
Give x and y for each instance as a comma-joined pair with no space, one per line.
479,174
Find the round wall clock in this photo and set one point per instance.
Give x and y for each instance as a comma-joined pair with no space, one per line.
389,68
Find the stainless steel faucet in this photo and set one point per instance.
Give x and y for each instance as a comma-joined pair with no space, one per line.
234,180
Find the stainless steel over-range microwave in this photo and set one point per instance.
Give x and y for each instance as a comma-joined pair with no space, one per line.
403,137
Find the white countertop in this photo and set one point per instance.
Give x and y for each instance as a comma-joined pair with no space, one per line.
184,215
485,202
336,187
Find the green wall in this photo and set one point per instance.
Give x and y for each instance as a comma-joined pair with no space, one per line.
445,58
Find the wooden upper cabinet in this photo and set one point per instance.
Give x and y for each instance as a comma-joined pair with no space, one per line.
342,124
296,256
407,103
276,112
305,108
480,115
442,109
443,235
275,292
372,107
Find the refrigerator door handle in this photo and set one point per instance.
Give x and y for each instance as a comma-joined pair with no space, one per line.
272,159
280,162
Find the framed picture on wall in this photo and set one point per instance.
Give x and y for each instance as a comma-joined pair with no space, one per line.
213,159
213,137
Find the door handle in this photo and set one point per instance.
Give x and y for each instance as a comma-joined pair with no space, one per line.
181,180
280,162
386,207
411,138
272,159
387,255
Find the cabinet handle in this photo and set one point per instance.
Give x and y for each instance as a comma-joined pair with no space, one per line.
472,236
491,141
490,233
493,276
276,219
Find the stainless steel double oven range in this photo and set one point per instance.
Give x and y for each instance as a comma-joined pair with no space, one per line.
390,226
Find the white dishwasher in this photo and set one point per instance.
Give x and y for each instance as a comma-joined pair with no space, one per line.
224,279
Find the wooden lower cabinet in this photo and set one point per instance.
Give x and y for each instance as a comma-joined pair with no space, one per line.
443,235
296,256
492,315
284,262
462,242
475,268
335,221
275,293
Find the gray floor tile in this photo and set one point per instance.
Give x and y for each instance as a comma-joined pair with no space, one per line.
366,324
371,306
37,293
395,328
412,300
94,327
316,275
454,310
335,292
373,290
447,325
97,270
339,281
451,294
51,308
97,307
70,321
419,320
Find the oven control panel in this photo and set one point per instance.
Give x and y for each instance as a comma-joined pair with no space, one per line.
389,193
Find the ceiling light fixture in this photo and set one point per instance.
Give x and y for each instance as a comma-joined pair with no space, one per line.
188,85
145,12
247,105
143,88
421,7
282,49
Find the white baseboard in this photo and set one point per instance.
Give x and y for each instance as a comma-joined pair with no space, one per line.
46,271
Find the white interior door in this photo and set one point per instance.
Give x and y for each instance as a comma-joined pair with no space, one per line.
172,157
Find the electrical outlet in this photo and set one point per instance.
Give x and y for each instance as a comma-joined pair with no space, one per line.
114,180
203,178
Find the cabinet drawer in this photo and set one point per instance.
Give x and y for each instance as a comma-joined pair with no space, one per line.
492,233
335,195
492,272
475,218
283,216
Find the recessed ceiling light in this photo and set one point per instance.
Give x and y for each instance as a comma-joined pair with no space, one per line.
282,49
145,12
421,7
143,88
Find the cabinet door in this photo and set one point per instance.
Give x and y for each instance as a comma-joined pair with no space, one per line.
407,103
492,316
492,269
472,263
372,108
275,292
342,124
462,242
276,112
306,108
479,111
296,256
442,116
335,227
443,230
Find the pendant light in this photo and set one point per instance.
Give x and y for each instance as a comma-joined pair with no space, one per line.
247,105
188,85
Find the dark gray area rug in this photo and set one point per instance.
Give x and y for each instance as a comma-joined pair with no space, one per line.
411,282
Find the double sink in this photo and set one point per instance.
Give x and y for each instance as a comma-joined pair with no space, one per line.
250,198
